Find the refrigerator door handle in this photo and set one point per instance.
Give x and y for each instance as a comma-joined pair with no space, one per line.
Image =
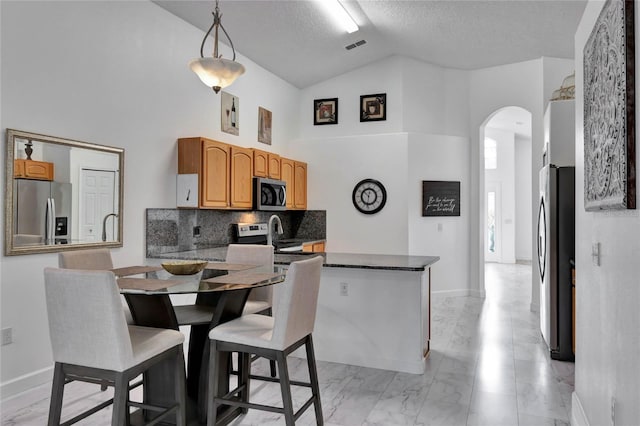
53,220
50,221
542,257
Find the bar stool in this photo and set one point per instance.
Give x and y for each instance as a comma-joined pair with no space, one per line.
273,338
92,342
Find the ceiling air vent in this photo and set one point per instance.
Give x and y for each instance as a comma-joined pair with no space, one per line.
356,44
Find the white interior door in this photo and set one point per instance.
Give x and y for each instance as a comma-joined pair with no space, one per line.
97,199
493,221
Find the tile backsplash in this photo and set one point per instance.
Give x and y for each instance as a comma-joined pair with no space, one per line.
171,230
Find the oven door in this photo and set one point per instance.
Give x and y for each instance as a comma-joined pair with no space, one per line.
270,194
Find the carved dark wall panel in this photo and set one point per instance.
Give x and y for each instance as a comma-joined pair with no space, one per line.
609,109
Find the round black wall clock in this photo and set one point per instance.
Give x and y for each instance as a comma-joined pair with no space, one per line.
369,196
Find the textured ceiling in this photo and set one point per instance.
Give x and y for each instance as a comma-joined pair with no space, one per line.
295,40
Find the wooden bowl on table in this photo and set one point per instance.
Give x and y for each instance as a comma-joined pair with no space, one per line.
184,267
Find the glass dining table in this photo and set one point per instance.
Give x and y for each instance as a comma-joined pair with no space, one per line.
221,291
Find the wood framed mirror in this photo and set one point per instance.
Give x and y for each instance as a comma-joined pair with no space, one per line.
61,194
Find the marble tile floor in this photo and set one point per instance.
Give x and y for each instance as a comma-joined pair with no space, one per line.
488,366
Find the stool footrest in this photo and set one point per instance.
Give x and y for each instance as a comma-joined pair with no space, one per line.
277,380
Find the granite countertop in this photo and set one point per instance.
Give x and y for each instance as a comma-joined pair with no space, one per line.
331,260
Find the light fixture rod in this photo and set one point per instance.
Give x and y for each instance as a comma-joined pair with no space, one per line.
217,22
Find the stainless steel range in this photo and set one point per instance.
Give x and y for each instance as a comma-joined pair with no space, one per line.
251,233
256,233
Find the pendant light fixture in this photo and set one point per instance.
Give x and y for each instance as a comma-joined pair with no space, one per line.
215,71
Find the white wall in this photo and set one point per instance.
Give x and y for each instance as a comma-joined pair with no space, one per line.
424,138
523,198
112,73
608,296
491,89
439,157
335,166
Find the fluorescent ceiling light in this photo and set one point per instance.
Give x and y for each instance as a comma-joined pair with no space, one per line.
339,13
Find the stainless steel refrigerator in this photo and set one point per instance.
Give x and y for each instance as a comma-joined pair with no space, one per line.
556,249
42,212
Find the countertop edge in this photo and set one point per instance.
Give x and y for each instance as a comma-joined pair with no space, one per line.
332,260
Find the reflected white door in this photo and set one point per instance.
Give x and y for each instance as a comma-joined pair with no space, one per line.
97,199
493,229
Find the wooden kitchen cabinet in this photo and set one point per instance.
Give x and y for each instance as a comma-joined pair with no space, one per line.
300,186
287,175
30,169
241,177
294,173
214,179
266,164
274,166
260,163
225,171
314,247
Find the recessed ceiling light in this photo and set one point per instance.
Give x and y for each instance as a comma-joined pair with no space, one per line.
340,14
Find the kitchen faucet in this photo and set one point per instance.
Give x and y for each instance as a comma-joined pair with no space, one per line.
104,225
279,230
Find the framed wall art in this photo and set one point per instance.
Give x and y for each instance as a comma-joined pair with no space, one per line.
373,107
264,125
440,198
325,111
230,113
609,110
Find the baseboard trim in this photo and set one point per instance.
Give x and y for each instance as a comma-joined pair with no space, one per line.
23,383
460,293
578,416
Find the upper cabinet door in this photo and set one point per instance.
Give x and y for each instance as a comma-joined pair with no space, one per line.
300,185
274,166
287,174
260,163
241,177
216,162
30,169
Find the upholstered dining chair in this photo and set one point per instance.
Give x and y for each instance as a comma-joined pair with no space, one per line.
91,260
273,338
260,299
92,342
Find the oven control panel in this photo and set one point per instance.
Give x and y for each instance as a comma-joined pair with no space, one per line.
252,229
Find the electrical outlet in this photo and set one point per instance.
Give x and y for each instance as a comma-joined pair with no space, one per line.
7,336
439,227
344,289
196,231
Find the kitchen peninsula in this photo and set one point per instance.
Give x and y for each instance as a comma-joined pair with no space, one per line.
373,310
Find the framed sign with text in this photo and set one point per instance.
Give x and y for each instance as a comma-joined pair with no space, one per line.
440,198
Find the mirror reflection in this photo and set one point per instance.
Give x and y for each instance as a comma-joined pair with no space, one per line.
64,194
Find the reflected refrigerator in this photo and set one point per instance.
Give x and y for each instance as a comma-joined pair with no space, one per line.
43,212
556,249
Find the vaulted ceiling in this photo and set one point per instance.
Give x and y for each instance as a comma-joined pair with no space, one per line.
297,41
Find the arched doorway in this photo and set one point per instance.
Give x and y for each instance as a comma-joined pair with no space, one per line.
505,186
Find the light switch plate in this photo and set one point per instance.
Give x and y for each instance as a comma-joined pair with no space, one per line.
595,254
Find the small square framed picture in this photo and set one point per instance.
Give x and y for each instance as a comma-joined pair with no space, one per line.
325,111
373,107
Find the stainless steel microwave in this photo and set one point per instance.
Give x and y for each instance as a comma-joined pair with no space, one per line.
269,194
